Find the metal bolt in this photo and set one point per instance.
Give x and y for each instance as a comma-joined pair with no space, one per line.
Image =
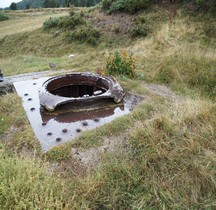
65,130
58,139
85,123
78,130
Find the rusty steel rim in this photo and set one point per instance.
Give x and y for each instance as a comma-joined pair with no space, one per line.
78,87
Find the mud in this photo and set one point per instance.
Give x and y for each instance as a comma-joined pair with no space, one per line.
68,121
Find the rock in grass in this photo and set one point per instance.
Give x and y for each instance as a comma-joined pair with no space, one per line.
71,56
52,65
6,87
1,76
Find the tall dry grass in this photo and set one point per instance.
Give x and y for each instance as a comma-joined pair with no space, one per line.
176,55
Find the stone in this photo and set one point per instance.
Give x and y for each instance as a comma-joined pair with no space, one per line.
1,76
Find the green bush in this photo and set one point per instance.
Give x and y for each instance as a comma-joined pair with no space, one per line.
71,22
206,5
85,34
140,19
68,22
139,30
51,23
106,4
131,6
3,17
117,6
120,62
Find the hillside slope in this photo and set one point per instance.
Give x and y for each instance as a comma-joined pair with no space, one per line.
160,156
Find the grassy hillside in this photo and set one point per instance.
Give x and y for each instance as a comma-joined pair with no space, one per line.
161,156
21,22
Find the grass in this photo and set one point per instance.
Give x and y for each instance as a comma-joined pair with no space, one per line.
28,22
29,178
169,57
167,159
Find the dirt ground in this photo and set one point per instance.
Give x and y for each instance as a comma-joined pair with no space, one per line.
113,24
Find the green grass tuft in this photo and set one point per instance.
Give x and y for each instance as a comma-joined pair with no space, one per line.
27,184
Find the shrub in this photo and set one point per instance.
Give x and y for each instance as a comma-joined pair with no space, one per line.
139,30
115,28
206,5
130,6
72,10
133,6
107,3
51,23
85,34
120,62
140,19
3,17
117,6
71,22
68,22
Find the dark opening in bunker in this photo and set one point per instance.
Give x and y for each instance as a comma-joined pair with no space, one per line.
77,91
77,85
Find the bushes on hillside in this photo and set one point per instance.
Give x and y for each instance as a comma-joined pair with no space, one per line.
71,22
78,29
206,5
84,34
51,23
139,28
3,17
76,26
68,22
131,6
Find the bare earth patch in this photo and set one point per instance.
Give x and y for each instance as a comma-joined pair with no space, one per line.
117,23
162,90
92,156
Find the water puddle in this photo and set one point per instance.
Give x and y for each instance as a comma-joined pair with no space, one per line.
68,121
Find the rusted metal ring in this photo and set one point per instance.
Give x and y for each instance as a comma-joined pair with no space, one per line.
78,87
